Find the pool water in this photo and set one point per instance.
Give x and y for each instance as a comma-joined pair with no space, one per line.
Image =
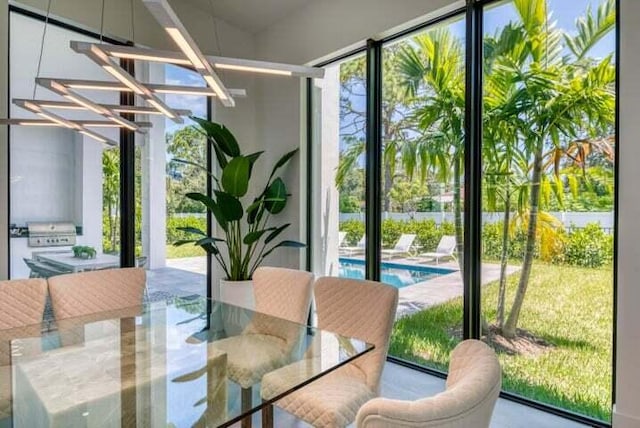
395,274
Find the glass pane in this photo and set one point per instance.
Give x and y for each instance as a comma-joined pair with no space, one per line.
64,185
339,102
167,171
422,193
548,191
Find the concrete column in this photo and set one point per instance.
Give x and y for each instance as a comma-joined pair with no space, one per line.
626,410
88,190
326,109
154,190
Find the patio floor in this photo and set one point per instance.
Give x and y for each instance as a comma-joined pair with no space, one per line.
187,276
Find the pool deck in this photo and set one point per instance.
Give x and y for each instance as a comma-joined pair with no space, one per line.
188,276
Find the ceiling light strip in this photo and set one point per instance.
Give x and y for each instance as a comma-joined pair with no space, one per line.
168,19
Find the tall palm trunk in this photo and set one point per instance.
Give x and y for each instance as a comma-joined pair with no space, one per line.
509,328
504,257
457,208
388,184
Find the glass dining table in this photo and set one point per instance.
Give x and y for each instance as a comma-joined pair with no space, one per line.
159,364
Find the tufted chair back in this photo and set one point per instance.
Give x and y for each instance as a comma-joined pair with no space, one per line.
361,309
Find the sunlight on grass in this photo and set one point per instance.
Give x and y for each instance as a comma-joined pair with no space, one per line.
570,308
184,251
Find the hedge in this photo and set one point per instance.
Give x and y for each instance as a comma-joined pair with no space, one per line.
586,247
173,223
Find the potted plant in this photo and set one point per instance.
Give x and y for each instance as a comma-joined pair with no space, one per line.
247,236
83,252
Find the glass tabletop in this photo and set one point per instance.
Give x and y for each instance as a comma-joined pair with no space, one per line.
174,363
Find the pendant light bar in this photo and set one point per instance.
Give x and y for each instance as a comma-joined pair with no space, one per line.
65,105
219,62
101,85
87,123
168,19
96,53
61,121
82,101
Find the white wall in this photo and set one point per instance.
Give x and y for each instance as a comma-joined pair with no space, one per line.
4,148
627,412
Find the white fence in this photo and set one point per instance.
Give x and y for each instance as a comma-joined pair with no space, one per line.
570,220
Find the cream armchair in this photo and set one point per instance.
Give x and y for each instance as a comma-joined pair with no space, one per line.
473,386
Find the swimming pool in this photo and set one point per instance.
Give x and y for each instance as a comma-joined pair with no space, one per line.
395,274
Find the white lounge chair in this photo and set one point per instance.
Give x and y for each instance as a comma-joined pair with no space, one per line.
351,251
402,247
446,248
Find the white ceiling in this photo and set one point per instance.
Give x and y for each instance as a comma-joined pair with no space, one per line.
252,16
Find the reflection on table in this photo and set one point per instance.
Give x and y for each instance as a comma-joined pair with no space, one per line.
159,367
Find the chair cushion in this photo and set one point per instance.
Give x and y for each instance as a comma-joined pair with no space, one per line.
250,356
331,401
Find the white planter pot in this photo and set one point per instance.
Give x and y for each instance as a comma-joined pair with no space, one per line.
237,293
240,294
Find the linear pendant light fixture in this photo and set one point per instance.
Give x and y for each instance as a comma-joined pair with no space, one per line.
97,54
60,121
218,62
168,19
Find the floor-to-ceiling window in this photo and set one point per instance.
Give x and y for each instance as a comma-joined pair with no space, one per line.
422,152
171,163
64,186
539,196
548,191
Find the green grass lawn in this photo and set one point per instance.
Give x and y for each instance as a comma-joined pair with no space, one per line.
184,251
569,308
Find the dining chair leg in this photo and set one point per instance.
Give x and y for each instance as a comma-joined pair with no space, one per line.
246,405
267,416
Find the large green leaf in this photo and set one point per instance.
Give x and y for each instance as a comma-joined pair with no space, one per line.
253,157
184,242
230,206
273,235
252,237
221,135
291,244
222,158
235,176
212,206
283,160
276,196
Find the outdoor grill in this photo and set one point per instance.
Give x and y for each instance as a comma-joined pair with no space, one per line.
56,234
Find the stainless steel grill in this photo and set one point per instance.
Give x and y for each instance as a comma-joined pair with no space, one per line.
51,234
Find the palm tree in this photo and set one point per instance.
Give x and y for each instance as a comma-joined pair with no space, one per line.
432,70
558,96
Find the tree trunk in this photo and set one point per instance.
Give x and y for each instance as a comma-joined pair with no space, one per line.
504,256
509,329
388,184
457,208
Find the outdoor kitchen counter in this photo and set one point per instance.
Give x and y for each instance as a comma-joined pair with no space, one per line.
75,264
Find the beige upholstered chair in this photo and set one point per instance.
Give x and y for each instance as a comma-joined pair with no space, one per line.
266,344
354,308
21,309
86,293
473,386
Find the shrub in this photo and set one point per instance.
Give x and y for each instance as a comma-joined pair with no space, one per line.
589,247
354,229
173,223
